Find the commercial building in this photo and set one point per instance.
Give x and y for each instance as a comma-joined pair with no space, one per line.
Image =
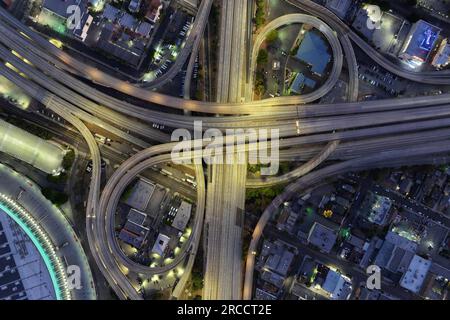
140,195
280,262
110,13
396,253
56,14
419,43
386,33
314,51
182,217
123,36
161,244
442,57
60,8
135,231
414,278
379,209
264,295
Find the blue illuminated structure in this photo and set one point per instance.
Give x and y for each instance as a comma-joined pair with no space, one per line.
42,243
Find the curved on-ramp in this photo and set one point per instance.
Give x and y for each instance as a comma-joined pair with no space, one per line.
299,18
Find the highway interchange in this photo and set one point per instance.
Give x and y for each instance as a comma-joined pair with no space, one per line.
361,135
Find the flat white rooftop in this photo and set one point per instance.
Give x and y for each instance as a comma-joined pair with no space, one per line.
414,278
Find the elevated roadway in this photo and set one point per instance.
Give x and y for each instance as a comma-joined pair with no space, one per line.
316,23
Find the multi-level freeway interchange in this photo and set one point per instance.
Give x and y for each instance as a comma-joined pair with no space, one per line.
360,134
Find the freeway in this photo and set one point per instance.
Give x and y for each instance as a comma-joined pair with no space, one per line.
111,195
42,96
226,183
297,173
364,125
194,53
128,171
290,127
122,86
304,111
284,143
85,104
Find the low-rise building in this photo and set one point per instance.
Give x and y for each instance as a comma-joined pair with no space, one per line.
419,43
337,286
140,195
182,216
396,253
161,244
135,231
379,209
154,10
339,7
322,237
414,278
442,57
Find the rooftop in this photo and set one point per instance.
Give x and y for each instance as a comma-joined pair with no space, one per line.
337,286
141,194
182,217
160,245
414,278
420,41
339,7
322,237
313,50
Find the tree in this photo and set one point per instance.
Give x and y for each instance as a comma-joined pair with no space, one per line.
68,160
56,197
272,36
263,57
197,281
260,16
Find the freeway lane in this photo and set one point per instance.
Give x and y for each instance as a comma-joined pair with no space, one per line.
308,126
100,77
226,185
276,113
127,88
